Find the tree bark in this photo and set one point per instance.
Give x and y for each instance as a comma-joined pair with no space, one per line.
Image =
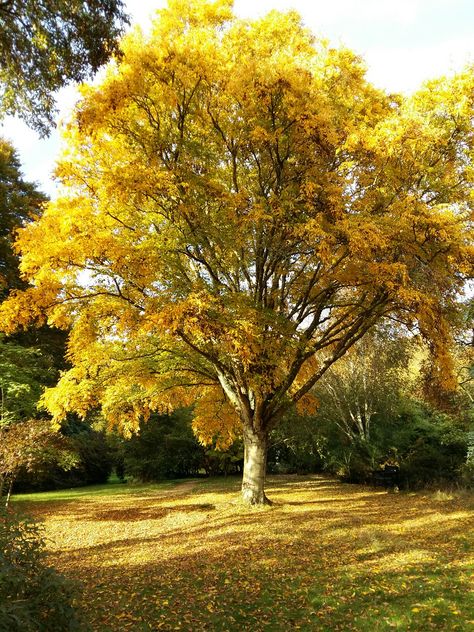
9,493
255,466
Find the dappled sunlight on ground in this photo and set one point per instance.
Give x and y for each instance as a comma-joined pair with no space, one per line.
325,556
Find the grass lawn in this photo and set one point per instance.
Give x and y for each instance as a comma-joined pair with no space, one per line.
185,555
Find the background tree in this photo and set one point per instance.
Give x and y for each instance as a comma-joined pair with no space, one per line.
91,462
164,447
240,207
372,412
20,201
29,446
30,360
465,352
298,445
24,373
368,381
45,45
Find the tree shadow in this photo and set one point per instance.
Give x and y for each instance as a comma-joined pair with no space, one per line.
133,514
196,562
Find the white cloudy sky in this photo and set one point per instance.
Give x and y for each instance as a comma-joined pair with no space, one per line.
404,42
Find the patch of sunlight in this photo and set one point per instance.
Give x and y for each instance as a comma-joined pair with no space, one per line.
161,549
401,560
372,546
184,519
442,496
342,533
271,562
436,518
352,509
395,623
373,541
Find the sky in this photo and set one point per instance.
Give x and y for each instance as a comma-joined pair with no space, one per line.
403,42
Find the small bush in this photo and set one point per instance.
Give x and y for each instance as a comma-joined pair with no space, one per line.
432,451
467,474
33,596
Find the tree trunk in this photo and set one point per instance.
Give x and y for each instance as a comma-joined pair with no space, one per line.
9,493
255,466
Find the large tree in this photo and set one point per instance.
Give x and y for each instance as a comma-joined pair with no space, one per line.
239,207
45,45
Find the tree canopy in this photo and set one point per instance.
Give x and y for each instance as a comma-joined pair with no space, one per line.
20,201
45,45
30,360
239,207
24,373
30,446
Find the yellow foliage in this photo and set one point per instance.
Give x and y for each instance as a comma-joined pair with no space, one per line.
215,421
238,207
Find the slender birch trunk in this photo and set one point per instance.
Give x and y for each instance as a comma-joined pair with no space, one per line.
9,493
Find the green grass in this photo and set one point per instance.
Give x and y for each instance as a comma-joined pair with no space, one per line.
112,488
185,555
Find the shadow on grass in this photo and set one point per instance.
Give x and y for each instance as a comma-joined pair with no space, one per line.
325,557
248,586
136,513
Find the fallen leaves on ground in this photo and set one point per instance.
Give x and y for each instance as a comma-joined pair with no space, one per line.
325,556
